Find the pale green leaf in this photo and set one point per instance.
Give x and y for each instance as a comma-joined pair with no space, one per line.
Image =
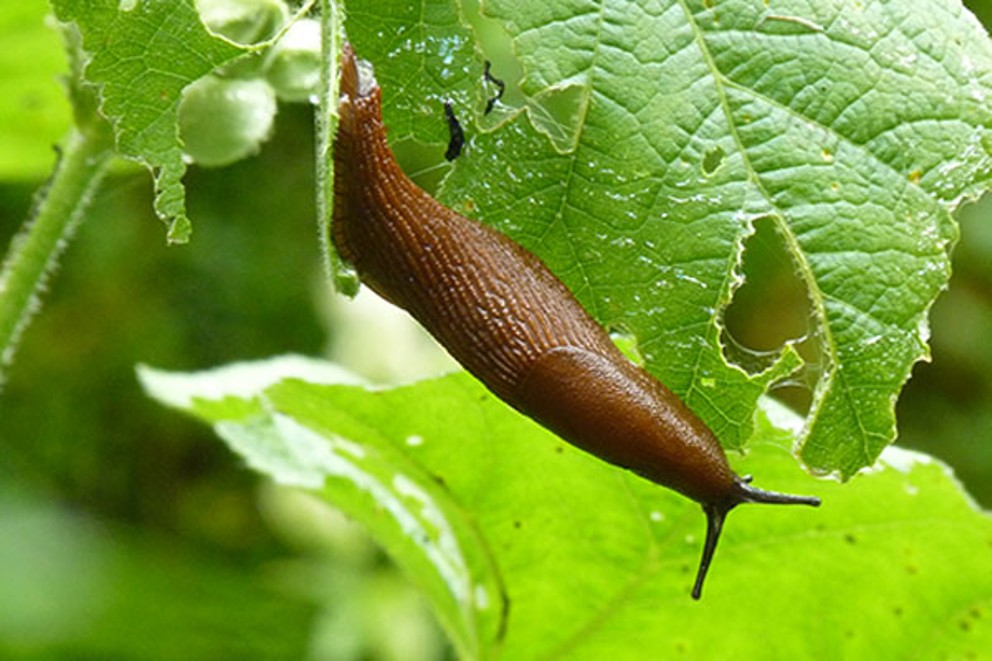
530,549
143,55
34,115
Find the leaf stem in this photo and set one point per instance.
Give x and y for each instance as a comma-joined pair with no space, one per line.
340,274
34,252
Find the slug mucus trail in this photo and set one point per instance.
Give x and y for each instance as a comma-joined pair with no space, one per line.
502,314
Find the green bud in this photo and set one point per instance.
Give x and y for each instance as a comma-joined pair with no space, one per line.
293,63
244,22
224,120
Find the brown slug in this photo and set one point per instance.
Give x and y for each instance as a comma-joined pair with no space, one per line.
502,314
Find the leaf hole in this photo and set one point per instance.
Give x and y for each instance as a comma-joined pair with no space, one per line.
770,310
426,166
557,111
496,46
626,341
554,111
713,159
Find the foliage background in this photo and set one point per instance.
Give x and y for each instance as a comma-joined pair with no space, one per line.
107,498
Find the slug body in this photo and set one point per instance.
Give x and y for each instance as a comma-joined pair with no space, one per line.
502,314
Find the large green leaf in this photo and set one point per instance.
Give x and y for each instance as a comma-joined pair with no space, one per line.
528,548
657,133
143,54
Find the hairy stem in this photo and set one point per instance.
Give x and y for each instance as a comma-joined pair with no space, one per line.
34,252
340,274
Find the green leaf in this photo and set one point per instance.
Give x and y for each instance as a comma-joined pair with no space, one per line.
34,115
78,587
423,56
856,128
479,504
143,55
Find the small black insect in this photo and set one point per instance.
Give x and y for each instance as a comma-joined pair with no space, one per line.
500,86
457,139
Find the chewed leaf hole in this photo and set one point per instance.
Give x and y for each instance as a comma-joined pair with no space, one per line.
626,341
770,310
557,112
713,159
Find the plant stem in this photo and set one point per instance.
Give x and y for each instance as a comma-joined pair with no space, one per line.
34,252
341,275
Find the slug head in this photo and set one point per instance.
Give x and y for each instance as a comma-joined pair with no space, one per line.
716,514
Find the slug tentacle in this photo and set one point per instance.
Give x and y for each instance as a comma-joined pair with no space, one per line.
508,320
749,494
716,514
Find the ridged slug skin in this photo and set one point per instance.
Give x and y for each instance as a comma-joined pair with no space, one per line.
502,314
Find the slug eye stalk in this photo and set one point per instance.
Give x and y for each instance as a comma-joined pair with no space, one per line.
716,514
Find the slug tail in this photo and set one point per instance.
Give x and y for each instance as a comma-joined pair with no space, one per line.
357,75
356,84
348,83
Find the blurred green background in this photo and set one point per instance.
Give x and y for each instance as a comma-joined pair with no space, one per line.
127,531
